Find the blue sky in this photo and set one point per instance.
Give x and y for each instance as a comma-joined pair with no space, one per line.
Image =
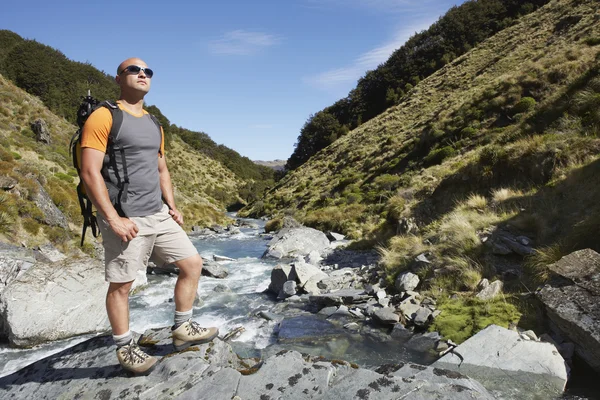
248,73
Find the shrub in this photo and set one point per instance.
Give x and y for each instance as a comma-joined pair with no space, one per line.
274,225
467,132
64,177
437,156
476,202
16,155
524,105
593,41
31,225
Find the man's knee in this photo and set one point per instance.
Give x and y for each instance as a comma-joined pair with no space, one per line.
191,265
119,289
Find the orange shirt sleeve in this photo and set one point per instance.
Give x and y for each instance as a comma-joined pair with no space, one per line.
96,129
162,142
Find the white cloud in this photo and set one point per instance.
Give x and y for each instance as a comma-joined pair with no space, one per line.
339,78
240,42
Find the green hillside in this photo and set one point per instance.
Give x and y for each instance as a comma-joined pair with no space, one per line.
459,30
503,136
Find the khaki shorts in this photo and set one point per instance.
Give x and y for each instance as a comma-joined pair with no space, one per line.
159,236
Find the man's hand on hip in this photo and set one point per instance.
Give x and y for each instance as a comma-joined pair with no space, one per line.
124,228
177,216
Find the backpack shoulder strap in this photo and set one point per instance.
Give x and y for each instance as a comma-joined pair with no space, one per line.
159,126
117,115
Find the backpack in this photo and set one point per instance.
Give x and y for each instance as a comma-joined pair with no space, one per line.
86,108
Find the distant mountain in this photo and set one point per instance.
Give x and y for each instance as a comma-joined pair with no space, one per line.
277,165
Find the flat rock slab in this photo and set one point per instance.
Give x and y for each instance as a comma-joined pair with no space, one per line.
343,296
307,328
503,362
212,371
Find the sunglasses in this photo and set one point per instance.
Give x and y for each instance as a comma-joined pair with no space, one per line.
135,69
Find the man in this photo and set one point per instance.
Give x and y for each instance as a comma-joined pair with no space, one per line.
127,185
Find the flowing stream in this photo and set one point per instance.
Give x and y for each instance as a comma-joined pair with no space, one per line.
234,301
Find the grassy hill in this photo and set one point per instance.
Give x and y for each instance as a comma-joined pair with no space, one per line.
202,185
504,136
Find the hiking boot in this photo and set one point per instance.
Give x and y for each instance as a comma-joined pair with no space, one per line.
190,333
134,360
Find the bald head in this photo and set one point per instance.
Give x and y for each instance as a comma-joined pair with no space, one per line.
130,61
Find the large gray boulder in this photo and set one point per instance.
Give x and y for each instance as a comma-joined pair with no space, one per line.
279,276
292,242
213,371
55,301
52,215
572,303
503,362
301,272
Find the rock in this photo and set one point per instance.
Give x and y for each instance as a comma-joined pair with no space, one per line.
55,301
289,242
502,362
213,371
7,182
313,258
386,316
409,309
328,311
567,350
332,236
269,316
279,275
422,316
422,258
423,342
381,294
400,332
385,302
500,249
344,296
217,229
312,285
14,261
530,335
40,128
222,258
301,273
484,283
441,346
352,326
407,281
493,290
515,246
340,279
407,226
214,270
571,303
220,288
289,288
49,253
52,215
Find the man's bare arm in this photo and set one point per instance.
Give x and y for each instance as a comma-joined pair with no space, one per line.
91,165
166,187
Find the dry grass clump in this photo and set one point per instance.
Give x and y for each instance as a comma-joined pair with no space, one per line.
502,195
399,253
476,202
536,265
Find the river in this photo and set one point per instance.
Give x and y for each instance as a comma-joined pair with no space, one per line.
234,301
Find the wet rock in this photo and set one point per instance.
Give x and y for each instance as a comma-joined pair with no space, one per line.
571,303
407,281
352,326
279,275
222,258
290,242
491,291
386,316
344,296
214,270
289,289
423,342
220,288
502,362
401,332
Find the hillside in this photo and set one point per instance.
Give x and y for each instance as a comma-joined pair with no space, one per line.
29,167
504,137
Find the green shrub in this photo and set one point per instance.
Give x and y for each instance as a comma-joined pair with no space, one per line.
31,225
439,155
467,132
64,177
593,41
524,105
16,155
274,225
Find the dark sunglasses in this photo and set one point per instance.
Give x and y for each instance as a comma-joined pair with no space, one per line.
135,69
